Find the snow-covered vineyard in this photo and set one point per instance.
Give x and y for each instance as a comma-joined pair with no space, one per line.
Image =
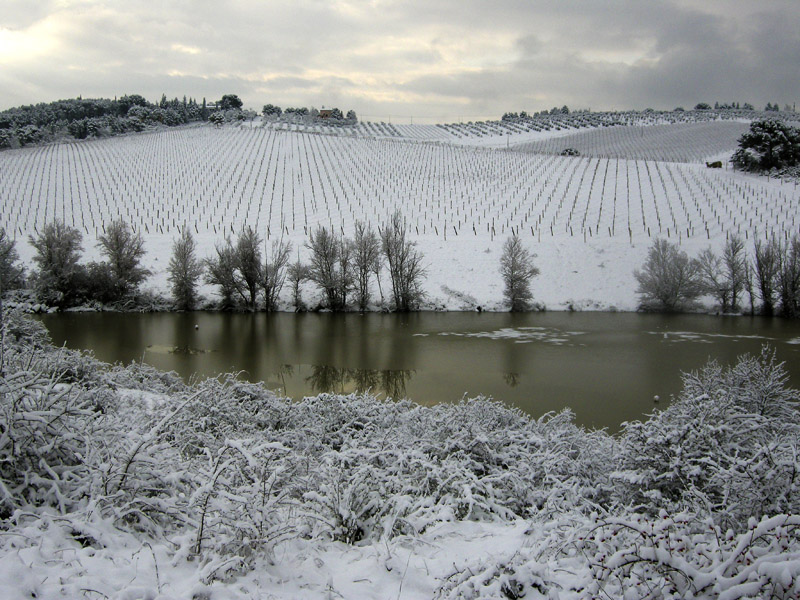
126,483
290,183
461,201
682,142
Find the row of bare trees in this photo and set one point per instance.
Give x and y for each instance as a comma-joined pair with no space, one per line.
670,280
246,272
343,268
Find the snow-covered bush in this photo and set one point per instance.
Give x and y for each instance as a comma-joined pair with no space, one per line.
236,507
728,445
681,556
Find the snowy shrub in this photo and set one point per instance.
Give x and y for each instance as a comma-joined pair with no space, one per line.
17,328
237,504
46,428
141,376
510,579
533,465
728,445
684,556
546,564
227,409
391,468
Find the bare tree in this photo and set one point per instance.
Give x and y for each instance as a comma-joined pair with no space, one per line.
789,278
323,270
766,268
366,260
405,264
123,249
221,271
517,270
248,265
735,268
274,273
668,279
715,282
749,285
58,250
344,271
184,270
297,273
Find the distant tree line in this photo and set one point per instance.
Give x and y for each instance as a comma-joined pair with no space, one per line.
334,116
565,110
83,118
86,118
725,106
770,277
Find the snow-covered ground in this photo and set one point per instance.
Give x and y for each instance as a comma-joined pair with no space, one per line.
588,220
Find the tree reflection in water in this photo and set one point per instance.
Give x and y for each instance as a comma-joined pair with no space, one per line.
327,378
512,379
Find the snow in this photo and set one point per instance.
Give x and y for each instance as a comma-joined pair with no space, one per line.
119,566
707,338
588,220
521,335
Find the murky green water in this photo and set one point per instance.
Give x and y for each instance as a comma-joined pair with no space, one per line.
606,367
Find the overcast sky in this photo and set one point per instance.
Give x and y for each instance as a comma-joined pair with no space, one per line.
439,60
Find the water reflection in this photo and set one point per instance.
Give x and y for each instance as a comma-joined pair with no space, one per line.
512,379
606,367
327,378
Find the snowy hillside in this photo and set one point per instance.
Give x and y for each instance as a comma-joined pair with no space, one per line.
683,142
589,219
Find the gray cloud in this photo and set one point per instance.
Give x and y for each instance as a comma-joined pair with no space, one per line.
442,58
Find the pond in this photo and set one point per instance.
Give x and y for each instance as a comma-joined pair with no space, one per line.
607,367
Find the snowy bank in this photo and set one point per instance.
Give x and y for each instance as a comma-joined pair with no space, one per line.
125,482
